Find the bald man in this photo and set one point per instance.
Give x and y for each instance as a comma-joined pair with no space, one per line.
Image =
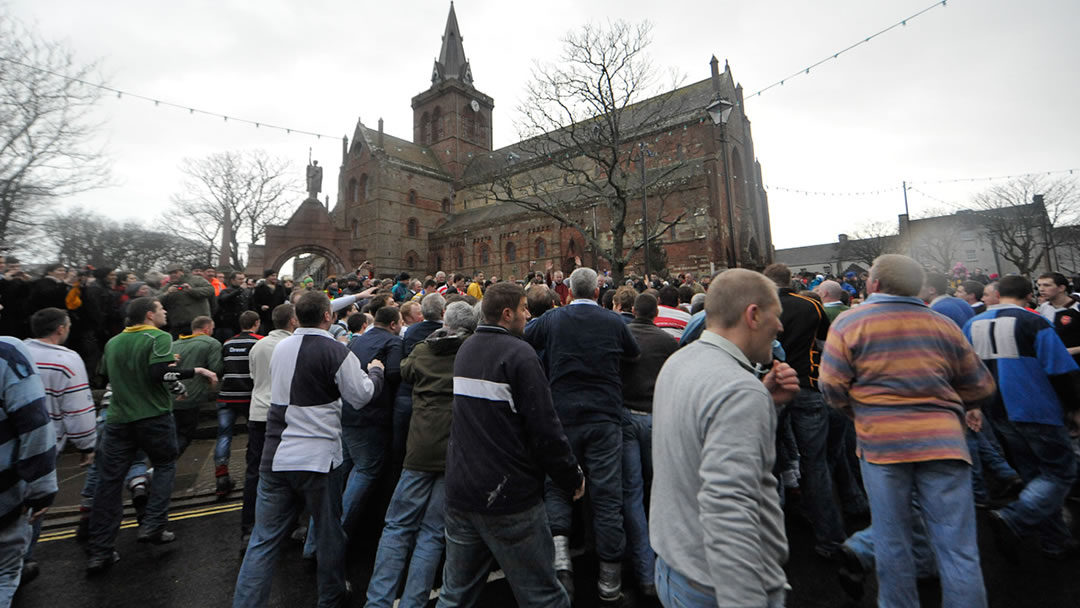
721,540
832,298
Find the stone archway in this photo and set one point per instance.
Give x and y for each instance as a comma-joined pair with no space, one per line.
335,261
309,230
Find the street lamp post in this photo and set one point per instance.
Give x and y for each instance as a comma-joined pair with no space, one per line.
643,152
720,111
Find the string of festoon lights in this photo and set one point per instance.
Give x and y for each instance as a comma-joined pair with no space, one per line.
259,124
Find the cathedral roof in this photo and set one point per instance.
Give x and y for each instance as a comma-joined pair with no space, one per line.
656,113
400,151
452,63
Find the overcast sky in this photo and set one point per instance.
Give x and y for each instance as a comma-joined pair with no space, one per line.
975,88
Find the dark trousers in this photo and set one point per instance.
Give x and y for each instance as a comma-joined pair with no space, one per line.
187,422
598,448
157,437
519,542
253,456
810,422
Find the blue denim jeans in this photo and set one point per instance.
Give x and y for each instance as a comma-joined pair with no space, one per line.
402,416
226,423
598,448
637,473
414,522
365,452
676,591
14,540
137,469
281,496
519,542
948,507
986,457
862,544
810,422
157,437
1044,458
252,458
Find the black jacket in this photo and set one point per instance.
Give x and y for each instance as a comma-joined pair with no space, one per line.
505,437
376,343
805,322
639,375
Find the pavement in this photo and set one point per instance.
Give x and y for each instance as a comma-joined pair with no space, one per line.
200,568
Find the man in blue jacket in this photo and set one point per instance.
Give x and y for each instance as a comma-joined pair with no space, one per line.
583,347
504,439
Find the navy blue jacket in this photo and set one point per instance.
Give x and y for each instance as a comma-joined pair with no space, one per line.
416,334
505,437
583,345
376,343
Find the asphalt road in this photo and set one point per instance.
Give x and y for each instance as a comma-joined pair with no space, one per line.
199,570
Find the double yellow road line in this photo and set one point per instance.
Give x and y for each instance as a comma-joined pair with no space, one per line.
131,523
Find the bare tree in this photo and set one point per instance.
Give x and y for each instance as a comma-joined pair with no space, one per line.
1023,228
78,237
581,123
869,241
255,188
46,128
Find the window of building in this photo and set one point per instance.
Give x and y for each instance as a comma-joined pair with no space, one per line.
436,124
354,191
446,205
363,188
355,228
438,262
469,120
412,197
410,260
485,255
460,260
511,252
413,227
972,255
967,235
541,248
425,129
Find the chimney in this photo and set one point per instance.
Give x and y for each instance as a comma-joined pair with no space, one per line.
714,65
842,238
380,144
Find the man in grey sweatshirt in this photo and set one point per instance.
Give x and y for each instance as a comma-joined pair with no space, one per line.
720,539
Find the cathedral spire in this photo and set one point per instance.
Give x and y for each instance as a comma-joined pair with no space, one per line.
451,63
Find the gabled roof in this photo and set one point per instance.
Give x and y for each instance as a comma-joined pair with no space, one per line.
678,106
400,151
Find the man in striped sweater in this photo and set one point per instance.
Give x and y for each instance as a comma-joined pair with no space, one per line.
67,396
27,460
234,396
912,381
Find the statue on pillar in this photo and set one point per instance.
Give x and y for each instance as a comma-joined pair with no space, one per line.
314,180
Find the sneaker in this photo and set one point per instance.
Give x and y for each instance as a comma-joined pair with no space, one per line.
140,495
101,563
161,537
30,571
224,486
1007,541
609,581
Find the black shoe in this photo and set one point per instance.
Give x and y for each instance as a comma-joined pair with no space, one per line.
161,537
1007,541
139,497
566,579
225,484
609,581
30,571
1071,551
101,563
851,575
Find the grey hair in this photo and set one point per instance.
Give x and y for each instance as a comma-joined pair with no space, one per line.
460,315
831,289
583,283
698,297
432,306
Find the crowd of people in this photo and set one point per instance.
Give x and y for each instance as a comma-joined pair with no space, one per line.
492,406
